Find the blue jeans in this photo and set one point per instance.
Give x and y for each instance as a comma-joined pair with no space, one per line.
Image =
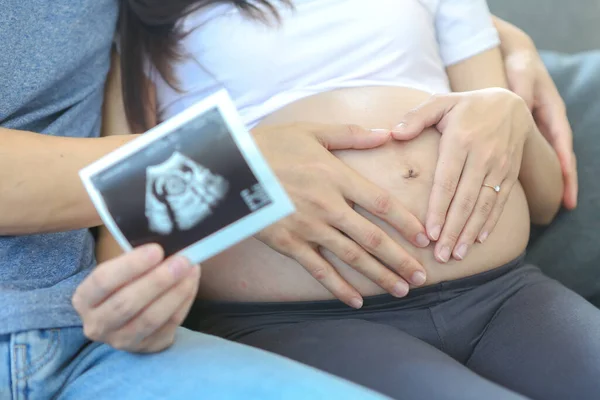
63,364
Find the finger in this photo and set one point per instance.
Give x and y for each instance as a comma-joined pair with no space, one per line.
356,257
165,336
120,308
160,340
324,272
503,195
112,275
342,137
461,208
375,241
160,312
445,182
382,204
427,114
483,208
571,186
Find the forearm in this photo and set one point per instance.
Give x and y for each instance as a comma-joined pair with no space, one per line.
541,178
40,189
510,36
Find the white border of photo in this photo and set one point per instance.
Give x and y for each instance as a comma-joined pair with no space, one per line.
280,207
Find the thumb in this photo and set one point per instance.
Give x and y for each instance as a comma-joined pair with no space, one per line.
345,137
425,115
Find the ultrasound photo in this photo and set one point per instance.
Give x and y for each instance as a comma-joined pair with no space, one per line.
186,184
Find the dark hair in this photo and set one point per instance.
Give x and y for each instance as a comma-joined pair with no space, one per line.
148,33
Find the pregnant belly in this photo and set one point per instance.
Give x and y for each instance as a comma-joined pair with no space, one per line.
251,271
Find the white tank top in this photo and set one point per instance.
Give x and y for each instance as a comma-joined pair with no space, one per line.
322,45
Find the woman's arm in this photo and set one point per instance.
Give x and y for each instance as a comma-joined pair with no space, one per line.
540,173
114,120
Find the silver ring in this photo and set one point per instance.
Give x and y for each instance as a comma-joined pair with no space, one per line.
495,188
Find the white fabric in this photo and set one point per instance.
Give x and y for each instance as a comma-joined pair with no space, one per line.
323,45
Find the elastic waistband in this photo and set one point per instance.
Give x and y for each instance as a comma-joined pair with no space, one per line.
370,303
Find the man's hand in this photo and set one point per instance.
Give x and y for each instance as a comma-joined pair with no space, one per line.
529,78
135,302
324,190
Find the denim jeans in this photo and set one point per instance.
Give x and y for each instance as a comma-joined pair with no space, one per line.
63,364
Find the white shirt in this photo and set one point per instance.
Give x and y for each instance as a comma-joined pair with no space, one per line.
322,45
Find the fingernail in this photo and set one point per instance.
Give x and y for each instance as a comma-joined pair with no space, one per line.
483,237
434,233
400,289
422,240
179,266
400,127
444,254
380,131
356,303
461,252
418,278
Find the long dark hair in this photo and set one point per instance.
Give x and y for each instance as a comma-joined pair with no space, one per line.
148,33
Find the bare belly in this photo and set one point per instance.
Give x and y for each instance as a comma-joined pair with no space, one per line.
251,271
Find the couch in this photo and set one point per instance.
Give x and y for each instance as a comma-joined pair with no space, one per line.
559,25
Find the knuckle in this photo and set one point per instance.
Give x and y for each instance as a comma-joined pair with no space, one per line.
382,203
122,307
319,204
373,239
320,273
338,217
148,323
284,241
100,281
486,207
447,186
354,130
467,204
351,255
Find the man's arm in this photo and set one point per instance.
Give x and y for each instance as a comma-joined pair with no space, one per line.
40,189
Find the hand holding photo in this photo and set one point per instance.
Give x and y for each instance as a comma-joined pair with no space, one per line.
195,184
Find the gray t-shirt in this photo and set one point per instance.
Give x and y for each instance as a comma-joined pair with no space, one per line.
54,57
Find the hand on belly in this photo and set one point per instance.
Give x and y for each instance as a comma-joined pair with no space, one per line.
252,271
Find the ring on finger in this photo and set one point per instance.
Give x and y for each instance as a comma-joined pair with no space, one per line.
495,188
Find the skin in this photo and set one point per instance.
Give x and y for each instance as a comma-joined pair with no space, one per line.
123,262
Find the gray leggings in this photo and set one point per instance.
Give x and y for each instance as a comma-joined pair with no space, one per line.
503,334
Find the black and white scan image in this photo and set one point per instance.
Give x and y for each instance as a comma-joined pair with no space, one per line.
181,187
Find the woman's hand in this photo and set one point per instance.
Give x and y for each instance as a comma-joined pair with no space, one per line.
323,190
137,301
483,136
529,78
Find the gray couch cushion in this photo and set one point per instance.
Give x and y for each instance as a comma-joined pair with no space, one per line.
561,25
